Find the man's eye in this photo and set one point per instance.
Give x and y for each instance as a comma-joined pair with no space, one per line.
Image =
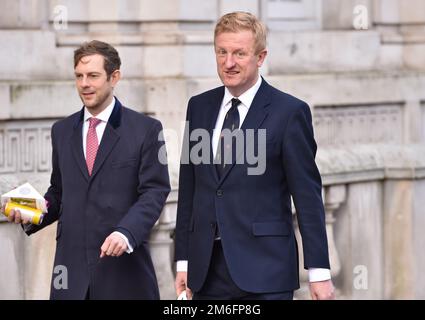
240,54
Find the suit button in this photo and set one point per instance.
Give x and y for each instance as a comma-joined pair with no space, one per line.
213,224
219,192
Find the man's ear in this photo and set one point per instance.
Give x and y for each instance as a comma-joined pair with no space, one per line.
261,57
115,77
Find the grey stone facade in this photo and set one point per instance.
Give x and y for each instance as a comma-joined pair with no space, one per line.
360,64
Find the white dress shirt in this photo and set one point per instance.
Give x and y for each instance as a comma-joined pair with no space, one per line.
100,129
246,98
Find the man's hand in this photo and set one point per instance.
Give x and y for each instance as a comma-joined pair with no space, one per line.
181,284
15,216
322,290
113,246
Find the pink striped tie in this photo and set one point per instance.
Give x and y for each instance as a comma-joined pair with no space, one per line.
92,144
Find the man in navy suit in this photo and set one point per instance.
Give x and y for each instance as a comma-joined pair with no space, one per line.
107,189
234,233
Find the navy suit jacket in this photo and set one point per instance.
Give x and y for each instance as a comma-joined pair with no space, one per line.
253,212
126,192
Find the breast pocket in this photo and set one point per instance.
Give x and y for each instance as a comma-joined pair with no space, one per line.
268,147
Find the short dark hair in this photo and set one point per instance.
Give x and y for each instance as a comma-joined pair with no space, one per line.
112,60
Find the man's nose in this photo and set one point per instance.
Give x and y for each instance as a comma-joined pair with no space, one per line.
84,82
230,61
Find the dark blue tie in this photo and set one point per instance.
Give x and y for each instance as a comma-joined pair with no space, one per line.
231,122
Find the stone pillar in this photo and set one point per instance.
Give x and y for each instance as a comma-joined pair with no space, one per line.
399,251
402,27
13,273
334,197
419,235
162,248
39,250
359,241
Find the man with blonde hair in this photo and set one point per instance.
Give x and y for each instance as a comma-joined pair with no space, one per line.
234,234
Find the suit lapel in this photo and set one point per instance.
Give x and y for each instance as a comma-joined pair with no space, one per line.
257,113
213,111
77,146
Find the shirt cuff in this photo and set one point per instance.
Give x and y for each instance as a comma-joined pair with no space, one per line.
129,247
318,274
314,274
181,266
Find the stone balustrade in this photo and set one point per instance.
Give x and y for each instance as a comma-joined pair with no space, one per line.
364,83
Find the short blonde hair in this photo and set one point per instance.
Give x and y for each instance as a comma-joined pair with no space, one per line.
243,21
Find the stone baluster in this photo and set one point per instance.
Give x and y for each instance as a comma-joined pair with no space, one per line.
162,247
334,196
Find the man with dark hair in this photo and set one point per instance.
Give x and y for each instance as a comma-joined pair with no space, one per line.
107,188
234,234
111,58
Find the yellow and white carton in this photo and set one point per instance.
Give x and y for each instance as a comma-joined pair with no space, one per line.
27,200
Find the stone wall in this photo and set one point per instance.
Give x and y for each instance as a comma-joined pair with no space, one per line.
358,63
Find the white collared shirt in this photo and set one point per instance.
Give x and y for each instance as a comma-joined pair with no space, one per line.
100,129
246,99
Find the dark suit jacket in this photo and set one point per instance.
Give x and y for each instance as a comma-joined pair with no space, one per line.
126,193
253,212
